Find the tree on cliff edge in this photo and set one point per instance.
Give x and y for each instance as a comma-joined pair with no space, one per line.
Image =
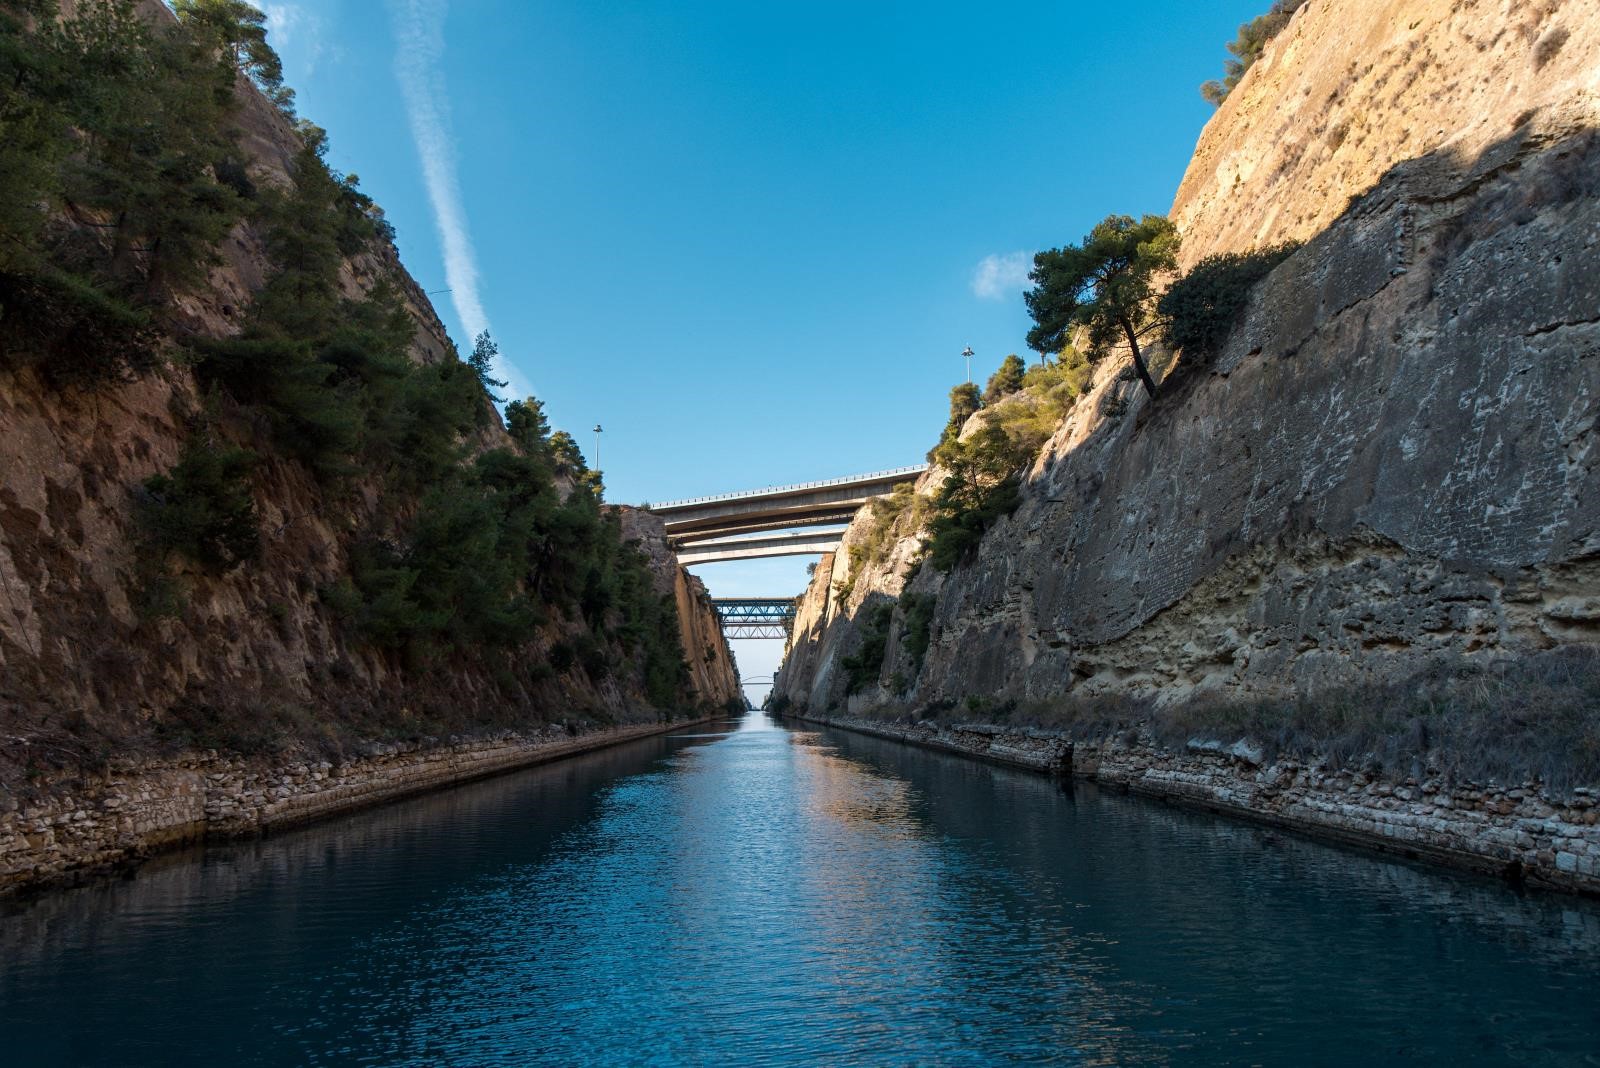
1104,284
1006,380
964,404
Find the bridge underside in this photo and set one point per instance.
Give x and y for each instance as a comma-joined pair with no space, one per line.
778,508
761,525
707,530
800,544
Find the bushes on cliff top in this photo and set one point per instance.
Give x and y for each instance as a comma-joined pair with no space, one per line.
964,404
980,488
332,375
114,133
1006,380
1248,46
237,33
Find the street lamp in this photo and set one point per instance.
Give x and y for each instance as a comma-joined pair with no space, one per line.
598,430
967,352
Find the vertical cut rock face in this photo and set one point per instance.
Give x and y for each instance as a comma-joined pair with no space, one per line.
80,672
1391,467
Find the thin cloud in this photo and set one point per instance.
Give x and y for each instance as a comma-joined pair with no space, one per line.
1000,276
419,37
297,35
282,22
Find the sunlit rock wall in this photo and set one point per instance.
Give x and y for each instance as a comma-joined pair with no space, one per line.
1392,464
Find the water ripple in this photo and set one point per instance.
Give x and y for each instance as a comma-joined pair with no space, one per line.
766,896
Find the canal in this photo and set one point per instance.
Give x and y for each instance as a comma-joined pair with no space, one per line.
754,893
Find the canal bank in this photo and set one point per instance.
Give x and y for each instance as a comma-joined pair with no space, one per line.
137,809
1523,832
750,894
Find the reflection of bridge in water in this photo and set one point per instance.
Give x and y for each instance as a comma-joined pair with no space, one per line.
801,520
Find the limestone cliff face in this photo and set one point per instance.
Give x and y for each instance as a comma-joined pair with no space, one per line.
81,674
1354,87
711,667
1391,466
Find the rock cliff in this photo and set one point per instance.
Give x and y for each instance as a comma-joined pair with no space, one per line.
1389,471
84,677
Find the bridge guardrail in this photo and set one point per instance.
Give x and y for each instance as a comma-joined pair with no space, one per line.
872,476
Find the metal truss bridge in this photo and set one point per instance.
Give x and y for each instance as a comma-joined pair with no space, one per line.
756,617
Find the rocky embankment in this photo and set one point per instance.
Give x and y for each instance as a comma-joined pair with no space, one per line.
1387,475
88,824
107,711
1521,832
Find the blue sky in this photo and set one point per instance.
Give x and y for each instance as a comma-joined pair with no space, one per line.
751,239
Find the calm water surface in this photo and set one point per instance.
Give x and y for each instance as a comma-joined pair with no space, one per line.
762,895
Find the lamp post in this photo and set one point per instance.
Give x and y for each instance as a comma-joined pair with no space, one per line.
967,352
598,430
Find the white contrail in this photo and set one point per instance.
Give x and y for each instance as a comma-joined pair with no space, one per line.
419,35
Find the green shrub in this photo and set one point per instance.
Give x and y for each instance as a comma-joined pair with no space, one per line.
203,509
902,512
1202,308
1248,46
918,628
74,332
1006,380
964,404
863,667
981,487
592,656
1058,384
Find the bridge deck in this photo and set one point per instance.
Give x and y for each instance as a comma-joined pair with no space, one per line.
833,500
894,474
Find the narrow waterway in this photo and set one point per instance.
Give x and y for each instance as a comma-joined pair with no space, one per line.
757,894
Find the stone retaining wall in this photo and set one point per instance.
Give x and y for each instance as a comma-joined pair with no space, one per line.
137,808
1523,832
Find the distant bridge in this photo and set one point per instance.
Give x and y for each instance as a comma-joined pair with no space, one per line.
756,617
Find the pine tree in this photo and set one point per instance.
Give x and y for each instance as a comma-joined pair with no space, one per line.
484,350
1006,380
964,404
1105,284
238,33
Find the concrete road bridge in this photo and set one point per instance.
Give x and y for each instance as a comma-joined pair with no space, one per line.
706,530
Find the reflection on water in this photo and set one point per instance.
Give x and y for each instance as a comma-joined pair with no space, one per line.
773,896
